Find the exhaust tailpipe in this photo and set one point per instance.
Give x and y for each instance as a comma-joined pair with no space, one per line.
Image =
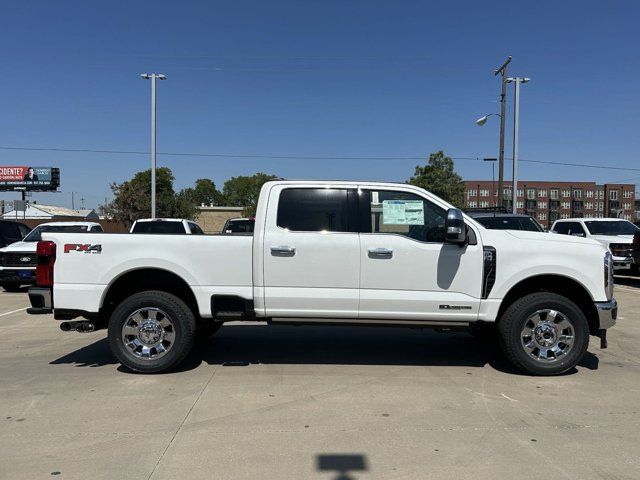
80,326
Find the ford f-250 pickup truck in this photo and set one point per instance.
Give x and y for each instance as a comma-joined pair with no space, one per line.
333,253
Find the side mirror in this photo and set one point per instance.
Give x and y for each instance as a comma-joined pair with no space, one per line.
456,231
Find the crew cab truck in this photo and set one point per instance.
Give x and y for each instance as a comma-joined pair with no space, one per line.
333,253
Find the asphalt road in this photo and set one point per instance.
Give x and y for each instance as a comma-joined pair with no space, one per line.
260,402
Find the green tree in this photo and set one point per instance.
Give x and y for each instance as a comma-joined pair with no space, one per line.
133,198
439,177
204,191
243,191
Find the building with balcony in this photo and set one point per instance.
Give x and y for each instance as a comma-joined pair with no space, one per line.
550,201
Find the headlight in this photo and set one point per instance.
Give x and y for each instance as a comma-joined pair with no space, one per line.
608,275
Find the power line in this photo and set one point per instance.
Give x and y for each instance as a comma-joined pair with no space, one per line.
300,157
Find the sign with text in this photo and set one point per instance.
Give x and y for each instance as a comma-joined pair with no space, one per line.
29,178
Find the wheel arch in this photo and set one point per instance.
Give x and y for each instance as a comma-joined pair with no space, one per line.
559,284
138,280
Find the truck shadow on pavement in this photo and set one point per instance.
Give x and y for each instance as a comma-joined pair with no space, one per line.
628,281
244,345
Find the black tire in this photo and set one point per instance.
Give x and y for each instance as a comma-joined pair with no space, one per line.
207,328
516,321
11,287
172,310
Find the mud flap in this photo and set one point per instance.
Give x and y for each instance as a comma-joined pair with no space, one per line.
602,333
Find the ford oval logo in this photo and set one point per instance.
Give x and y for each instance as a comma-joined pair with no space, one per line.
25,259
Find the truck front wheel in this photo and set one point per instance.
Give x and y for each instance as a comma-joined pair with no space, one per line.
151,332
544,334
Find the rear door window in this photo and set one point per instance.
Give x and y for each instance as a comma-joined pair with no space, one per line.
316,210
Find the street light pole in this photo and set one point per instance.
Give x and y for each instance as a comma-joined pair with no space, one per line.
516,125
153,78
503,110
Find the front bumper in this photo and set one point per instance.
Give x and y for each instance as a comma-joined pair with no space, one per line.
20,276
622,263
41,301
607,313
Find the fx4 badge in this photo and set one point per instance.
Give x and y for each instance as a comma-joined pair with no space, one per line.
82,247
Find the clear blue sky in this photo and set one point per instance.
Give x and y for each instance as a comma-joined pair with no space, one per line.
351,78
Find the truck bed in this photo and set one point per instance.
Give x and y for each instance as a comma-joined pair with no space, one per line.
220,264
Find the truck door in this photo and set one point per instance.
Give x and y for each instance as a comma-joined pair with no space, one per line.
407,271
311,253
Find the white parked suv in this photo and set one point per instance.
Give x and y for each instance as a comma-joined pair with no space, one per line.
333,253
18,260
614,233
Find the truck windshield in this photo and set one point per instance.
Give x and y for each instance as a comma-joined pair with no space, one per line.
511,223
36,233
621,227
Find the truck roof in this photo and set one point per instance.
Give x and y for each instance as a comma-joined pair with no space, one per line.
584,219
69,224
162,220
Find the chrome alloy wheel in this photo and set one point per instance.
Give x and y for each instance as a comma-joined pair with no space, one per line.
547,335
148,333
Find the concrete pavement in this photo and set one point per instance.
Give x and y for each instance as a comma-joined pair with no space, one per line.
260,402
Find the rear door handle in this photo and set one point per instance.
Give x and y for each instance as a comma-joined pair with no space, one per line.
380,253
283,251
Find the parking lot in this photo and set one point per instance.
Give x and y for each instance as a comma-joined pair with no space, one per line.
315,402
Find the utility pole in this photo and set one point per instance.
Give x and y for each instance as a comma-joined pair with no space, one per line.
73,205
503,112
516,125
153,77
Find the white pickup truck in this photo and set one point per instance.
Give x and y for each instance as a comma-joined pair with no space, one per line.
614,234
333,253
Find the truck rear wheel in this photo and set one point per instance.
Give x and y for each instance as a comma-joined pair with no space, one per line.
544,334
151,332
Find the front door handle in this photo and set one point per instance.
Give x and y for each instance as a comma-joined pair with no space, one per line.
380,253
283,251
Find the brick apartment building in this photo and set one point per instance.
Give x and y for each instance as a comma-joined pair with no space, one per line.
549,201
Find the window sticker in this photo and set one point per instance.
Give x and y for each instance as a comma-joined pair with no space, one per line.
403,212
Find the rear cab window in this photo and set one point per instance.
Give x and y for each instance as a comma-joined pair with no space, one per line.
195,229
569,228
159,227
